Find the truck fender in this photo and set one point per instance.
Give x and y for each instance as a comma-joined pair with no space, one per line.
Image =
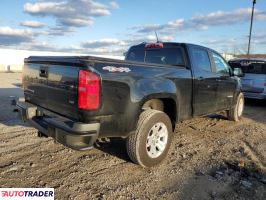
147,89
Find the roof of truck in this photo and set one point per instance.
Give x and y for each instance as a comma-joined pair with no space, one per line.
168,44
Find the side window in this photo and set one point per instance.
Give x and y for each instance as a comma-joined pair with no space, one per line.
201,59
220,65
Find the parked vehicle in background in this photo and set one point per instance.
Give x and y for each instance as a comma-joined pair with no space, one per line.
254,79
77,100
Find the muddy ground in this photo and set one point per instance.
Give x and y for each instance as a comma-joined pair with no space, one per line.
210,158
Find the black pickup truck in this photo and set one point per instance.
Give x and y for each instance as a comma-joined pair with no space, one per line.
77,100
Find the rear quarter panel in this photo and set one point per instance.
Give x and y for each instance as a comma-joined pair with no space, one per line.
124,93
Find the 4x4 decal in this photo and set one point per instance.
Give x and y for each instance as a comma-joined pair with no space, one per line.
116,69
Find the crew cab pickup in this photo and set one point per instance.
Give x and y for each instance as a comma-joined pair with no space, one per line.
77,100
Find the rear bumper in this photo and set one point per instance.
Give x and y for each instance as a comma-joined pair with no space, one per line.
252,95
76,135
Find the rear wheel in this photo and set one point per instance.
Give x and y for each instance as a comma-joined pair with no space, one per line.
236,112
151,141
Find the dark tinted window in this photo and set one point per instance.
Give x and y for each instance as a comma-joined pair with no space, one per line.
201,59
165,56
235,64
255,68
135,54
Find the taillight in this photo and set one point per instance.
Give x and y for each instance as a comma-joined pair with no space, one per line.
154,45
88,90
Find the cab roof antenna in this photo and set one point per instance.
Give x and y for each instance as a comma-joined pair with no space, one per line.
156,37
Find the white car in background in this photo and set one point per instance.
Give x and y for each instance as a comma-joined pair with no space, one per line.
254,79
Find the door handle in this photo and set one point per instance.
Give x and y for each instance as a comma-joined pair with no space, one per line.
43,73
200,78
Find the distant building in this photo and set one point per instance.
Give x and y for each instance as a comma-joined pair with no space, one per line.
251,56
228,56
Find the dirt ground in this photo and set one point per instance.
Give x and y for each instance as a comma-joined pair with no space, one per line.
210,158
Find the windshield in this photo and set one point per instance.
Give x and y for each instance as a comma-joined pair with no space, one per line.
165,56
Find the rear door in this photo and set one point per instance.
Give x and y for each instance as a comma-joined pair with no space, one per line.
226,83
205,84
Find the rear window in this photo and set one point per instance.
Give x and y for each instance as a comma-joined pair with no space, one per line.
165,56
251,67
135,54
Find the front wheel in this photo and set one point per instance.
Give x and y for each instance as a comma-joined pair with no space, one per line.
151,141
236,112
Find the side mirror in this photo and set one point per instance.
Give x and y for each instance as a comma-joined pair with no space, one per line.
238,72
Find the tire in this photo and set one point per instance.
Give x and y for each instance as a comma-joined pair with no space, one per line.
235,113
154,130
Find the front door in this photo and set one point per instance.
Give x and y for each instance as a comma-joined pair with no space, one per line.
205,84
226,83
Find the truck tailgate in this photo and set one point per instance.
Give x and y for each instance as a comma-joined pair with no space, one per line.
52,86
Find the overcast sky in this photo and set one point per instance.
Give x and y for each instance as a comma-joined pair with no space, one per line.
110,27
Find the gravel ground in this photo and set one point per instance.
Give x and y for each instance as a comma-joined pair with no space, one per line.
210,158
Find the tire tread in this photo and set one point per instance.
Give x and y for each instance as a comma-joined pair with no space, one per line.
232,113
132,140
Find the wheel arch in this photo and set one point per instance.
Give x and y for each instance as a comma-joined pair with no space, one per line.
168,103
